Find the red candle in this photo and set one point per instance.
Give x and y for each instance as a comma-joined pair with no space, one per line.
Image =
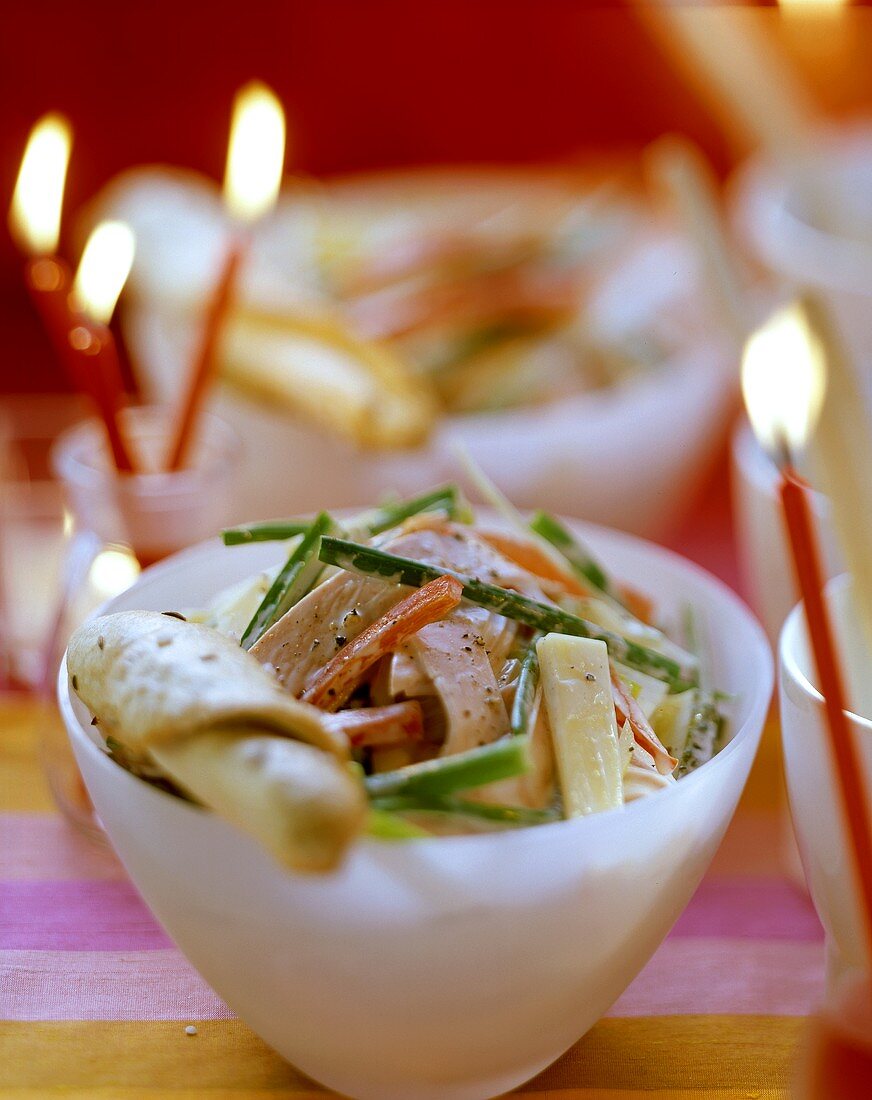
92,348
810,579
49,281
204,365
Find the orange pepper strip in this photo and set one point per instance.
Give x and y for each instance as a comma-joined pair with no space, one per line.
628,710
529,556
637,603
390,725
334,684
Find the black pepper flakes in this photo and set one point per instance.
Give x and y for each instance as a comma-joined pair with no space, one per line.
101,642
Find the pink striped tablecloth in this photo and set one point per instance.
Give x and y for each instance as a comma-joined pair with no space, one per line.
94,997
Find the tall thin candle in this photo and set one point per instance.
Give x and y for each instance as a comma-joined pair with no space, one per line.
784,380
35,221
255,158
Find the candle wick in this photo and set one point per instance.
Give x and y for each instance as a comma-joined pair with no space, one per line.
782,453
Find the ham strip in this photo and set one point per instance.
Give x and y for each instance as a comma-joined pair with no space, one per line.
336,681
628,710
316,628
392,725
454,655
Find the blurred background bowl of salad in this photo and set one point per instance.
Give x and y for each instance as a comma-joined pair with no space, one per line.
450,968
549,320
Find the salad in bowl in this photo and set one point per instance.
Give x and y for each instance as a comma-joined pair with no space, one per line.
418,791
407,672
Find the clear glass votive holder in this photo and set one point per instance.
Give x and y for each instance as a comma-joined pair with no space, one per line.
815,800
120,524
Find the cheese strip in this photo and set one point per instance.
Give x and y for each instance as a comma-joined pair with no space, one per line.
581,711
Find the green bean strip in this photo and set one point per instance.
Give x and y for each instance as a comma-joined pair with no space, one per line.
389,515
703,733
583,565
525,692
444,775
274,530
499,814
297,577
386,825
373,562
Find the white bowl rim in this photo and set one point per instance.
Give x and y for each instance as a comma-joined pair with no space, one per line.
787,648
758,703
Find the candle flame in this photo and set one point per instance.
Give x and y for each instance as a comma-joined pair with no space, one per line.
256,153
784,379
35,213
103,269
812,5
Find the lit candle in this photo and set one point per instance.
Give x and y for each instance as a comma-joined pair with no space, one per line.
841,452
100,278
255,158
34,222
784,378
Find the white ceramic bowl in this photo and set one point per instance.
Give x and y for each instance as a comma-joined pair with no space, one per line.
440,969
811,780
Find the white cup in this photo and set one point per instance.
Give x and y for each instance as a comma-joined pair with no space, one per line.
815,801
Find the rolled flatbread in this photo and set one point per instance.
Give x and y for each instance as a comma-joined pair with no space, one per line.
150,677
300,803
187,698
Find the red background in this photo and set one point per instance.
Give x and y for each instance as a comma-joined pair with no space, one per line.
366,83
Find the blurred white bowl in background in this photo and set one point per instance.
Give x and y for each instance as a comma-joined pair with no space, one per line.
628,456
444,969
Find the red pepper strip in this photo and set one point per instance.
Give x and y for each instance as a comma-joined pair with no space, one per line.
628,710
334,684
391,725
